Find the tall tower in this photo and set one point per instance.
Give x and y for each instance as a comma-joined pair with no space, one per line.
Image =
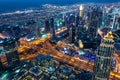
47,26
93,23
72,33
100,18
10,54
37,31
77,26
114,26
72,19
118,21
77,20
52,27
104,58
81,10
37,28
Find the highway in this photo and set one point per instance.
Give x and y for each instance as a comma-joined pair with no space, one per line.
50,49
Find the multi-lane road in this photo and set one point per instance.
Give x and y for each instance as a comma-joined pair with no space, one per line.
49,49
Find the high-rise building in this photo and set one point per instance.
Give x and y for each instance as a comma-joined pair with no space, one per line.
93,23
72,33
12,59
11,54
52,27
63,16
77,20
118,22
71,19
104,58
89,13
37,31
81,44
47,26
100,18
81,11
114,24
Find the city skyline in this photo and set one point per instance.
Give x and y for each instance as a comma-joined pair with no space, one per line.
55,42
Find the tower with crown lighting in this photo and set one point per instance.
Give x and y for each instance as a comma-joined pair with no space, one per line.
104,56
81,10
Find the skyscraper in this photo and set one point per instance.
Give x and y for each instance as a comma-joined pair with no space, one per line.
104,58
81,11
100,18
78,26
72,33
47,26
118,21
52,27
71,18
77,20
12,59
10,50
37,31
114,24
93,23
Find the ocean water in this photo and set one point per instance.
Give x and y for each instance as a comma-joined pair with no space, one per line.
13,5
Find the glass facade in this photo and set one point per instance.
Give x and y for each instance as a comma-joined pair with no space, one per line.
11,54
103,61
13,59
52,27
47,26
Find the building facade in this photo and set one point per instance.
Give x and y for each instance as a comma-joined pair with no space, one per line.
52,27
103,61
11,57
81,11
72,33
47,26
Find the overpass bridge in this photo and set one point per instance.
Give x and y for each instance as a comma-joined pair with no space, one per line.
50,49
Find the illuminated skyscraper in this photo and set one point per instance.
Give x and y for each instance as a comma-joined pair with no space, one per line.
77,20
81,10
104,58
81,44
